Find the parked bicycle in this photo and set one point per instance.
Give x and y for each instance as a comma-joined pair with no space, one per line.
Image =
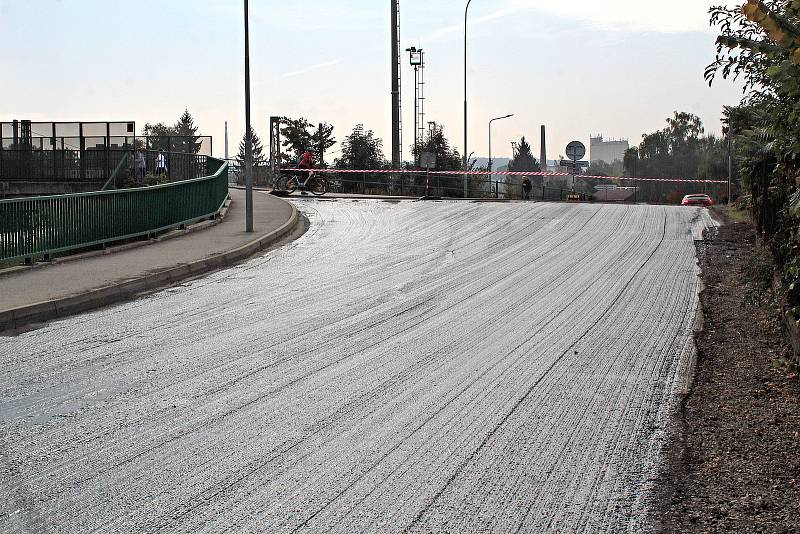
312,181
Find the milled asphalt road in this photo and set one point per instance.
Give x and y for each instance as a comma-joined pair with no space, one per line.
402,366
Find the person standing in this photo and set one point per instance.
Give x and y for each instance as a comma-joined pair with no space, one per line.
139,165
161,164
526,188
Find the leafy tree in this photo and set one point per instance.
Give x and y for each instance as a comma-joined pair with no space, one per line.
760,44
186,132
322,139
258,150
299,135
447,159
447,156
158,135
361,150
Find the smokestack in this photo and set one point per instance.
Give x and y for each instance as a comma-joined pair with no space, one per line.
543,153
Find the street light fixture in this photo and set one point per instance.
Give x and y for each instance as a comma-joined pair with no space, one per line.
466,153
490,139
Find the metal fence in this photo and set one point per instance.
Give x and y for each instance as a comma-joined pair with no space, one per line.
42,226
416,183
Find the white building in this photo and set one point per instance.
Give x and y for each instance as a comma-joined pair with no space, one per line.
607,151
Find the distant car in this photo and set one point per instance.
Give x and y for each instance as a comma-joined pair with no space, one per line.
697,200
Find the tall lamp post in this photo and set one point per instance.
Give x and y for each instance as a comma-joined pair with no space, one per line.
490,138
466,153
248,144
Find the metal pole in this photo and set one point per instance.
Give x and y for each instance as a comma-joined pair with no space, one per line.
730,163
248,144
416,112
466,152
226,140
395,48
490,148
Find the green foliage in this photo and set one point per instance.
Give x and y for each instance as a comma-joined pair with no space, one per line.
299,135
681,150
447,159
447,156
182,137
258,150
522,161
760,43
361,150
187,135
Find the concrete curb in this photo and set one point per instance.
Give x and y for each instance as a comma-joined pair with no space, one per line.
58,308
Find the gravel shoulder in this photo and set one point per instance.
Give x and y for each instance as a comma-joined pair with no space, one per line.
739,470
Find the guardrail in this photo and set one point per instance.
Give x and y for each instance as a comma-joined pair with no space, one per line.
43,226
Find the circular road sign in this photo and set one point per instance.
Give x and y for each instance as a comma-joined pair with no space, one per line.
576,150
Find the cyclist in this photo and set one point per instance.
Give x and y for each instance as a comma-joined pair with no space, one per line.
306,162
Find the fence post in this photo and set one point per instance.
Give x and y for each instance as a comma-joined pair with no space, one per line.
363,183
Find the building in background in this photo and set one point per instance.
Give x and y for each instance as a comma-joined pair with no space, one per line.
607,151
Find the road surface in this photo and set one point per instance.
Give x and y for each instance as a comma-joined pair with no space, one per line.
403,366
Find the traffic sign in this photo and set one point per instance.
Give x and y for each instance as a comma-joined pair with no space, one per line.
570,163
427,160
576,150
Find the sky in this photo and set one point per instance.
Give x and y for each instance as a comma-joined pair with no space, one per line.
612,67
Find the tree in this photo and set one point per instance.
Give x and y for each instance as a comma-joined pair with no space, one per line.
522,161
361,150
322,139
158,136
295,138
760,44
258,150
186,133
681,150
447,159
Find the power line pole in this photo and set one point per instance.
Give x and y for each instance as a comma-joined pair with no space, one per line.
395,7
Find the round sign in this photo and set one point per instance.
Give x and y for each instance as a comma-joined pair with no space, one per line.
576,150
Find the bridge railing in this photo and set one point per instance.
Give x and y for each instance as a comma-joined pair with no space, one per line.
42,226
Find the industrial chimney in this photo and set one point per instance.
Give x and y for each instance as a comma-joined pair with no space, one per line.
543,153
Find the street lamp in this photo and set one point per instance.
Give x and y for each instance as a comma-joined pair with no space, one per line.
466,153
248,143
490,139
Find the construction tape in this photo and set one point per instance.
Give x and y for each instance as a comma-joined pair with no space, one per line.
509,173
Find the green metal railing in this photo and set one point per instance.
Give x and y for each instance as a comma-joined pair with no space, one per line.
42,226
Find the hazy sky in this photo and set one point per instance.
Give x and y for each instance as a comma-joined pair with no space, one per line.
616,67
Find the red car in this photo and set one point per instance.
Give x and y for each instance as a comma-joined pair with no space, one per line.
697,200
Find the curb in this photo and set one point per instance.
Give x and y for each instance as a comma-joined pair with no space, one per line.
59,308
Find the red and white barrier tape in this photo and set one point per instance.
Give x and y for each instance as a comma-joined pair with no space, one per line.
509,173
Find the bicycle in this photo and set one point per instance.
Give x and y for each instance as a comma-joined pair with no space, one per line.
315,183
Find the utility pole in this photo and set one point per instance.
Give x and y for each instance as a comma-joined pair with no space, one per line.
395,62
248,143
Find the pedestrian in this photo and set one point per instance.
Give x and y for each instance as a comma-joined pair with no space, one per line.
161,164
140,165
526,188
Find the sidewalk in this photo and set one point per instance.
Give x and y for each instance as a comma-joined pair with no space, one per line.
46,292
